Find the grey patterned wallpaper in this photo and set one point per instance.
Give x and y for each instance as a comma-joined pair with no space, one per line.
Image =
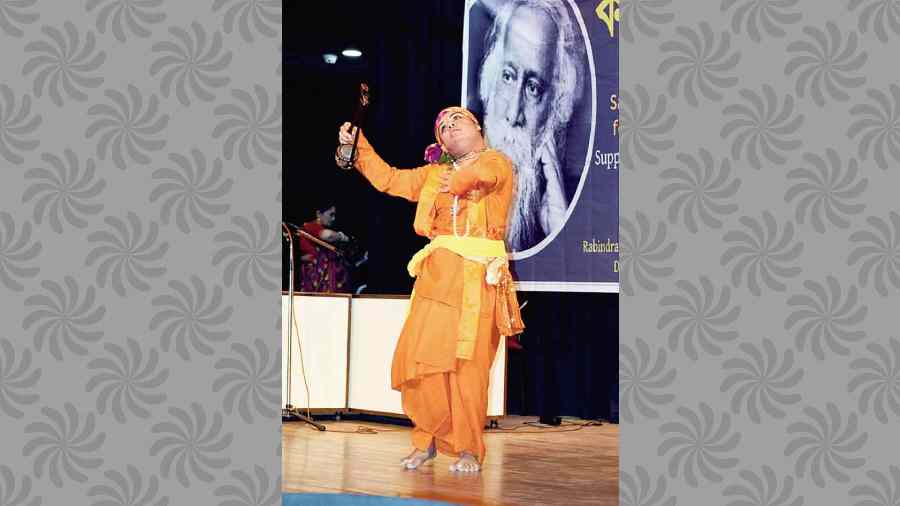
759,359
140,153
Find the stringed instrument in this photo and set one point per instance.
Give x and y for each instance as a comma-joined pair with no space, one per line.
346,155
351,250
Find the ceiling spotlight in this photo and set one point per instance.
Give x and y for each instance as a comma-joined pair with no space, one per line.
330,58
351,52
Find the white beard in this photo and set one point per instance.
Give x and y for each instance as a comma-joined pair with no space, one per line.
524,227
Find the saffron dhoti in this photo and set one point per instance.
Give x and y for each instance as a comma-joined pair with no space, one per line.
447,345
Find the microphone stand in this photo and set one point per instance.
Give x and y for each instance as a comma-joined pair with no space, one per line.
289,412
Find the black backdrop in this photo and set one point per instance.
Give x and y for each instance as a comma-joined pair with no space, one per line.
412,61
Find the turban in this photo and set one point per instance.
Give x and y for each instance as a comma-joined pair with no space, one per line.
434,152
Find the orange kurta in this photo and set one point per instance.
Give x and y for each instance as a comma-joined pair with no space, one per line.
444,396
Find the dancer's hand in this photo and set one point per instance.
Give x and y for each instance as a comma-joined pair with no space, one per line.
346,133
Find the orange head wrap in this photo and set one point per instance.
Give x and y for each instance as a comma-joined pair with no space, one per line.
434,152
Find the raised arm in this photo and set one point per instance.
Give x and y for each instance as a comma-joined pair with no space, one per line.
405,183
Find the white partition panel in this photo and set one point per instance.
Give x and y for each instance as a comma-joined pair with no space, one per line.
374,330
497,390
322,345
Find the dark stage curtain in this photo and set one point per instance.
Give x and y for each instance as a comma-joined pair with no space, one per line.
569,364
416,66
414,61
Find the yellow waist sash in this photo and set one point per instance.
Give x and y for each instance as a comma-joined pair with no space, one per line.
477,252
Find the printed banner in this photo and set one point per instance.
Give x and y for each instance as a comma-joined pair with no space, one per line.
544,76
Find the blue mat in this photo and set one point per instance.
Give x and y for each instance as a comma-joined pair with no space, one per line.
353,500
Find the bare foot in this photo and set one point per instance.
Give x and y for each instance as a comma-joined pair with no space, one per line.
419,457
467,463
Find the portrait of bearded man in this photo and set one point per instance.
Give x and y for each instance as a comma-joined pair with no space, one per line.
530,82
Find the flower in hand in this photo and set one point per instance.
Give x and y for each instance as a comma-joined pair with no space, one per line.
433,153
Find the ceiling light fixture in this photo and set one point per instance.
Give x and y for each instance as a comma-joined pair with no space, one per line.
330,58
351,52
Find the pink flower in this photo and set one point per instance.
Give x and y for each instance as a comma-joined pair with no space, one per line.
433,153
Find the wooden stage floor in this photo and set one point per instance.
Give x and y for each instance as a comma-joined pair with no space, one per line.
540,466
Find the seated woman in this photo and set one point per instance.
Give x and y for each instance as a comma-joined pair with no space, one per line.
323,268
